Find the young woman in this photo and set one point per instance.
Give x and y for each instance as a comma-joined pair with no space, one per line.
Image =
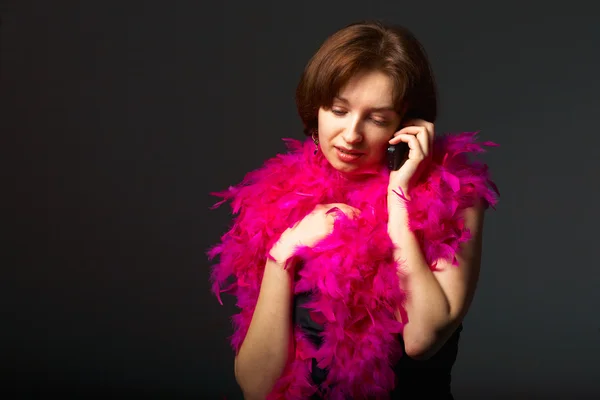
352,277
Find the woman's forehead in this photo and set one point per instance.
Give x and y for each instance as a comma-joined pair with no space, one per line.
372,89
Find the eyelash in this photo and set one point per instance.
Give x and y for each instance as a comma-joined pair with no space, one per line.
340,113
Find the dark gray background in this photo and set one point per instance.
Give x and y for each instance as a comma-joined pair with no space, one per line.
118,119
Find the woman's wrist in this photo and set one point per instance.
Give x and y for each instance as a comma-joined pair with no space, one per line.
398,194
398,220
279,256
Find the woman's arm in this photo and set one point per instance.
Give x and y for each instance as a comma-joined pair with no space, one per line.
268,344
438,300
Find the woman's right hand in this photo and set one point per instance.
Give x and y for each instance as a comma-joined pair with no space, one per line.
314,227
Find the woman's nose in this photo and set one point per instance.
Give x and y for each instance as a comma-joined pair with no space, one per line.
353,133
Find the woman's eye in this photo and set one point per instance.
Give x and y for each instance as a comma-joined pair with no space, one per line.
379,122
341,113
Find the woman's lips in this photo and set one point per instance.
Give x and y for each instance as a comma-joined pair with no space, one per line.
347,155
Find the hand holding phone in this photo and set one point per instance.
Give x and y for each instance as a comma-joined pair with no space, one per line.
411,159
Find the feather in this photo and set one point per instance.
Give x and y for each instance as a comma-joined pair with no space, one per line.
352,273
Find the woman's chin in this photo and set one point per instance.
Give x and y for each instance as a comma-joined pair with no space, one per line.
345,167
354,169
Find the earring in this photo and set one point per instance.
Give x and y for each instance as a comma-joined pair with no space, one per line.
315,139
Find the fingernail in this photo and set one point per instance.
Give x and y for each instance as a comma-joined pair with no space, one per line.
333,209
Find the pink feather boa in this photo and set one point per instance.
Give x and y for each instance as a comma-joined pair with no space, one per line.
351,272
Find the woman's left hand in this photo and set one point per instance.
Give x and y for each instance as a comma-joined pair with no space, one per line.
418,134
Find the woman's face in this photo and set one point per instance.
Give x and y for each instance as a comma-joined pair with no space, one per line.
354,132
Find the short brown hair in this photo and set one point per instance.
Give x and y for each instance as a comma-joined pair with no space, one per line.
368,45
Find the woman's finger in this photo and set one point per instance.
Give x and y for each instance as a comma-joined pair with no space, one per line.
414,145
333,210
345,209
422,134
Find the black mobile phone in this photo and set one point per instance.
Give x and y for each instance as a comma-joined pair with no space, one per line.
395,155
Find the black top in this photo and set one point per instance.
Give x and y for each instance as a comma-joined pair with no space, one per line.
414,379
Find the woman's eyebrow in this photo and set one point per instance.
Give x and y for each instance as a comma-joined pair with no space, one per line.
375,109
